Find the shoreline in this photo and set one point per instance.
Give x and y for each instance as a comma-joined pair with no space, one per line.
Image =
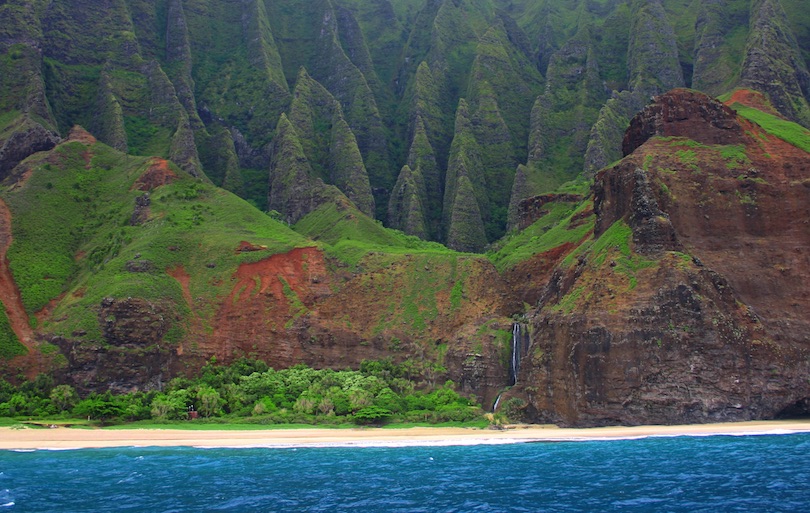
25,439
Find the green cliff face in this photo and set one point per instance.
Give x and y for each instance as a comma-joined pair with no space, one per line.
406,209
464,230
294,191
721,29
328,142
773,63
561,121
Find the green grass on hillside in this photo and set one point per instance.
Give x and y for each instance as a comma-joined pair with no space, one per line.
73,234
10,346
351,235
788,131
549,232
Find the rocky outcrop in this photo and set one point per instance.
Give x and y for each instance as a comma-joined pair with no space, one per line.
532,209
27,138
660,319
120,369
132,322
684,113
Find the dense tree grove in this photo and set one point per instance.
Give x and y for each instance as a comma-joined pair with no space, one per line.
250,391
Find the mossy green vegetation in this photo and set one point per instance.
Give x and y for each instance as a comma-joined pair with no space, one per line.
612,248
554,229
351,235
75,239
790,132
10,345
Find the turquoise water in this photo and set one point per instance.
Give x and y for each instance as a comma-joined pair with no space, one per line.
686,474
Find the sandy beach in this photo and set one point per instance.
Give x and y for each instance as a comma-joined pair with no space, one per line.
15,438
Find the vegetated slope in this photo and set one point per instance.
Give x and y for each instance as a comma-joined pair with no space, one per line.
548,89
132,271
675,293
687,303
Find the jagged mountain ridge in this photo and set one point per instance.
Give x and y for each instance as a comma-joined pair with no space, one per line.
205,82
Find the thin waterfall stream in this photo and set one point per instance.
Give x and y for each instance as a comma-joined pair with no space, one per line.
514,362
515,367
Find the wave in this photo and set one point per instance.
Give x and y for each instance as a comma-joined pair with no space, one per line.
453,442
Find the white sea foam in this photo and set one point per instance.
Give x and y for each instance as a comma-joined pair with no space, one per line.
491,441
377,443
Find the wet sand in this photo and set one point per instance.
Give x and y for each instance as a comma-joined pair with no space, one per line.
17,438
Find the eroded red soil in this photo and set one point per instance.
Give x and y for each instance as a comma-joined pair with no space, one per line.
157,174
752,99
12,302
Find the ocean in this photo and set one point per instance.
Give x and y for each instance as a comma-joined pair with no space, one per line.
764,473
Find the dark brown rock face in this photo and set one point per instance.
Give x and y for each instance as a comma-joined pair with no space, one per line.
132,321
685,308
630,185
532,209
684,113
133,355
22,143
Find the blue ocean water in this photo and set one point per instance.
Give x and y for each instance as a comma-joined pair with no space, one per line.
685,474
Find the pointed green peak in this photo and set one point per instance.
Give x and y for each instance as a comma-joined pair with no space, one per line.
220,161
406,204
490,127
497,163
420,144
183,149
462,116
328,142
520,191
427,105
311,112
426,91
284,129
491,43
465,161
422,160
347,170
302,75
108,122
262,49
466,230
422,156
291,191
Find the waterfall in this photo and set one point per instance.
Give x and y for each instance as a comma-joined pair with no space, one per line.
497,400
515,364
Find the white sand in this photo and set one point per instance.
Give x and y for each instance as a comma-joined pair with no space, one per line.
66,438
